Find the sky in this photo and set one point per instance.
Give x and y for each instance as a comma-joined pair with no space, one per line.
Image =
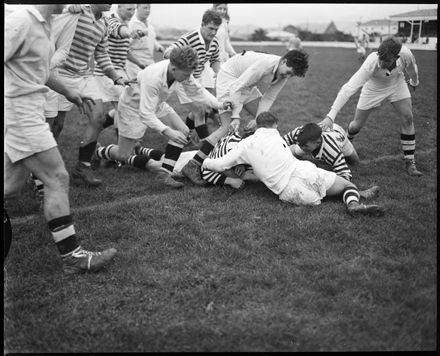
270,15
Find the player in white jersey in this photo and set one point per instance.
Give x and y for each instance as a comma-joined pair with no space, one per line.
381,77
237,81
144,106
294,181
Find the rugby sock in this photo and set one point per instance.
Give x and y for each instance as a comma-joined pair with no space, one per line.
104,152
138,161
202,131
351,134
204,151
172,154
149,152
63,234
350,195
408,143
86,152
108,121
189,122
38,185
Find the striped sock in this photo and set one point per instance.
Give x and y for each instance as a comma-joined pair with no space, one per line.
149,152
63,233
202,131
350,195
204,151
138,161
172,154
104,152
408,143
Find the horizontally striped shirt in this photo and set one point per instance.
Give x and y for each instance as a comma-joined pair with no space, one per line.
195,40
90,39
223,146
117,46
330,150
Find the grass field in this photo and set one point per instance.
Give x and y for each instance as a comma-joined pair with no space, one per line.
213,269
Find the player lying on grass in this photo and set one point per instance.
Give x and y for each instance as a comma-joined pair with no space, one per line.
237,81
143,105
382,78
331,147
294,181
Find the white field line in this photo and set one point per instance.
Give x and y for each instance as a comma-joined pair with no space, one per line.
116,203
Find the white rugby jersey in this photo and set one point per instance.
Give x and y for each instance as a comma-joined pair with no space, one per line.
151,91
375,78
251,69
266,152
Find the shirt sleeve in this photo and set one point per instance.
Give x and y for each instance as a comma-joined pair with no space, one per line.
193,91
410,66
114,25
63,31
15,35
103,59
351,87
291,136
270,95
234,157
149,102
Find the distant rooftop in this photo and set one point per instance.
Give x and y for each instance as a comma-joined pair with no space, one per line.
424,14
383,22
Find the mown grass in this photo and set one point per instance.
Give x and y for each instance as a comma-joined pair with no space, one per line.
213,269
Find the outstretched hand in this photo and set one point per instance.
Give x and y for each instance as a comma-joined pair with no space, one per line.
326,124
83,102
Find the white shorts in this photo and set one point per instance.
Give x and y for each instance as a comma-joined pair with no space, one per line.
224,82
130,124
109,91
308,185
26,131
373,97
52,104
86,85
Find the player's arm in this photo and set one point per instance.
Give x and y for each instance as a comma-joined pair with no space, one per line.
103,60
63,31
346,92
332,155
411,69
270,96
15,34
229,160
199,94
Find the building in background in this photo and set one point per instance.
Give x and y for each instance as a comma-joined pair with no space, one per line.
419,27
376,30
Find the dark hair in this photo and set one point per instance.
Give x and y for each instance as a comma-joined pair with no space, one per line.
309,132
298,60
266,119
184,58
211,16
389,47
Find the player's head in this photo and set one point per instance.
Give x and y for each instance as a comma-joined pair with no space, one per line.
126,11
222,10
267,120
309,137
388,52
184,61
211,21
143,11
293,63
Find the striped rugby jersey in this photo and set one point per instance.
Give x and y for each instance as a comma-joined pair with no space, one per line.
330,151
117,46
195,40
90,39
223,146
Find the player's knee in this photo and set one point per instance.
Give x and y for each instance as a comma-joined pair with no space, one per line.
61,178
407,119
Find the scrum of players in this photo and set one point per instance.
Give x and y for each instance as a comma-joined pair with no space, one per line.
58,56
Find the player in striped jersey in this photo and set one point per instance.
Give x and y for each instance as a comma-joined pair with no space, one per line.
119,38
205,43
89,40
331,147
233,177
